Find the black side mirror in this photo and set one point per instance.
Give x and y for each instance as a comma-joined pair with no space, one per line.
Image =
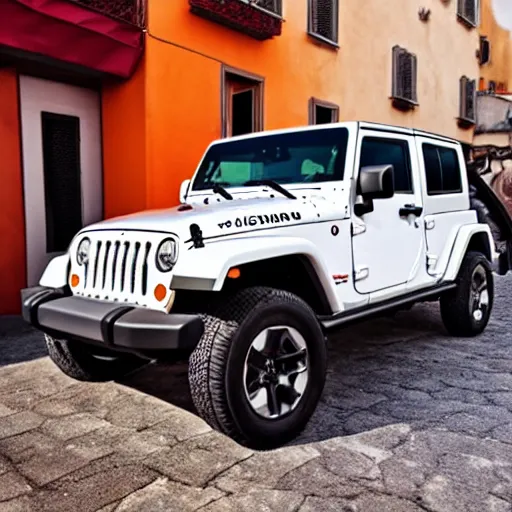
376,182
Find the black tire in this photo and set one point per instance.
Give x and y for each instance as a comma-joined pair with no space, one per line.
216,367
458,305
77,360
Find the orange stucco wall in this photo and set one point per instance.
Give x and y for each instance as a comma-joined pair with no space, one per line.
124,119
12,224
178,89
184,89
499,68
183,107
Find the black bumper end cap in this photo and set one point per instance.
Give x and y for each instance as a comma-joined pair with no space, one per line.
155,330
33,297
126,328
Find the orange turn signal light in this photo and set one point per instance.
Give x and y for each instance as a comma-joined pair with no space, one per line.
160,292
234,273
75,280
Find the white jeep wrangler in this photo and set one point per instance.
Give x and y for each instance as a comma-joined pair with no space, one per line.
280,237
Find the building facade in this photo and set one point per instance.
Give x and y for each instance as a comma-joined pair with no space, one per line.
110,125
496,74
492,142
56,56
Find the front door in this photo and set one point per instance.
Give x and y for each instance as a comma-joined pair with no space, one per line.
62,166
388,243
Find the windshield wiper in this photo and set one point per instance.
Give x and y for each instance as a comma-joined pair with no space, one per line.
272,184
219,189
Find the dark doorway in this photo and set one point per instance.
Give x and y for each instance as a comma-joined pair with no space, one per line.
242,104
242,112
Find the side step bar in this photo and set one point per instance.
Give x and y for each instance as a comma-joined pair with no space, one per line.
366,312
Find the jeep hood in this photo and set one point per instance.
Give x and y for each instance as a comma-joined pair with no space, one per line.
222,218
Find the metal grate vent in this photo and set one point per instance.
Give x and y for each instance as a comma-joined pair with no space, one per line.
62,187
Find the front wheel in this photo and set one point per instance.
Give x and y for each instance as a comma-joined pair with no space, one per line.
466,310
259,370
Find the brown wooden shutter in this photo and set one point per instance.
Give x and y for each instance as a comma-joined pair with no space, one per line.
414,77
470,99
404,74
470,10
324,18
467,99
462,97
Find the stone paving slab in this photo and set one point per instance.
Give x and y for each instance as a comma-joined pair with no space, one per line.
410,420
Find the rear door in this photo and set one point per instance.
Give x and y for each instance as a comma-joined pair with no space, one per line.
388,243
446,199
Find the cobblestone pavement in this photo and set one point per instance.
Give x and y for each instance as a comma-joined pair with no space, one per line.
410,420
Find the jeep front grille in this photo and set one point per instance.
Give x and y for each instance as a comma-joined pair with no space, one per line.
117,270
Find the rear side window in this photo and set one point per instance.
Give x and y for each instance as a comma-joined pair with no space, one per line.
442,170
389,152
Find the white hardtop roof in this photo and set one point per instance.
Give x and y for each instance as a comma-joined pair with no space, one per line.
346,124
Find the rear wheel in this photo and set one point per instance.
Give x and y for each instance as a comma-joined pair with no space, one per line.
88,363
259,370
466,310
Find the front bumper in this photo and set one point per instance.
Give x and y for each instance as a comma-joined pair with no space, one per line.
112,325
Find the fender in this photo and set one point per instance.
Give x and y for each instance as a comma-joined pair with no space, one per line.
56,273
207,268
460,246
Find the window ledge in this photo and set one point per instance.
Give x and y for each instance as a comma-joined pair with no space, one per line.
403,104
324,40
465,123
466,22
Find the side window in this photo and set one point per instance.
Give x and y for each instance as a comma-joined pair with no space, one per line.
442,170
389,152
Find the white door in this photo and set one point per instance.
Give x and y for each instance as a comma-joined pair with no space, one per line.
388,243
62,166
446,199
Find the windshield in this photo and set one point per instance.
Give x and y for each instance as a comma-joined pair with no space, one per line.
297,157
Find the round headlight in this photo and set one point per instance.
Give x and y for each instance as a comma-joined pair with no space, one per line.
82,253
166,255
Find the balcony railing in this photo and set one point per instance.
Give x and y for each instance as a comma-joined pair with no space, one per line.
130,11
260,19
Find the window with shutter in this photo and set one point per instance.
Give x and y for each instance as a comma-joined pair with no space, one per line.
469,11
323,19
404,76
467,100
484,52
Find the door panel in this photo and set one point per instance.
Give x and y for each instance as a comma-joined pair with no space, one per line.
62,166
446,199
387,245
441,231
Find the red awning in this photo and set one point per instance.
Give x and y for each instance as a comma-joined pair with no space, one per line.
66,31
